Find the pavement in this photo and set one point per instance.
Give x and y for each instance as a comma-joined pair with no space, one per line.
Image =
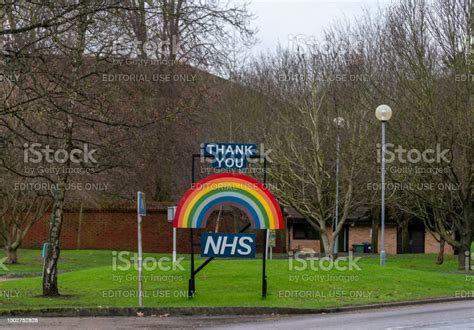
450,315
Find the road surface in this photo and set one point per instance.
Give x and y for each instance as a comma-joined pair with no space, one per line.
453,315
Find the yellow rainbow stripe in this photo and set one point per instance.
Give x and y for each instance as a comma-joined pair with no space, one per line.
238,190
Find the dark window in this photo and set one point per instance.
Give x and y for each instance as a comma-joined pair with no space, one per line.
416,240
305,231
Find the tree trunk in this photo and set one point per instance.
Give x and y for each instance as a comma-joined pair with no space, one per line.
467,234
326,245
11,255
50,273
440,259
464,255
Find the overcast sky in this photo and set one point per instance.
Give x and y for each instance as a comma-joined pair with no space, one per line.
278,19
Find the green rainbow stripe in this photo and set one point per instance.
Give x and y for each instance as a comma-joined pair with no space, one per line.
237,190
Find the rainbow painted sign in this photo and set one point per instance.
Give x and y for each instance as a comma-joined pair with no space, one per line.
228,189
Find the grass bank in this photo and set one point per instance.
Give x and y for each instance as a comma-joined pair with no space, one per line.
89,279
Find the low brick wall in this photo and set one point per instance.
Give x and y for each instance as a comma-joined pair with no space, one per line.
117,230
361,233
432,245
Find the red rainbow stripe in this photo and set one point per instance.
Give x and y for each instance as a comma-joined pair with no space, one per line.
238,190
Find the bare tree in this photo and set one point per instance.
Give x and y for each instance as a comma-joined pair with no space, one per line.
20,211
426,50
60,103
303,136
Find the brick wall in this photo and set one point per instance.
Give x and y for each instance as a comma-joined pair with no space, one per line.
361,233
117,230
357,235
432,245
297,244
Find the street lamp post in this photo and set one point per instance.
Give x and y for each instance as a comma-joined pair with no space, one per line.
383,113
338,123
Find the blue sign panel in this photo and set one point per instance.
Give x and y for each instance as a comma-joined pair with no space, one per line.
45,250
229,155
141,209
228,245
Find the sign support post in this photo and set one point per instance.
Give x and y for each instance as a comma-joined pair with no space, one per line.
191,280
264,273
46,248
264,266
140,261
141,212
171,212
192,286
174,245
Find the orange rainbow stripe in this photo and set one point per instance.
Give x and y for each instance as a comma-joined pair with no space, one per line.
233,189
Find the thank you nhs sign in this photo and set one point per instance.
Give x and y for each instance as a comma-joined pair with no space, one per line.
229,155
228,245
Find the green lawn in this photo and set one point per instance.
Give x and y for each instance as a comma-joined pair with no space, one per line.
31,261
88,280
